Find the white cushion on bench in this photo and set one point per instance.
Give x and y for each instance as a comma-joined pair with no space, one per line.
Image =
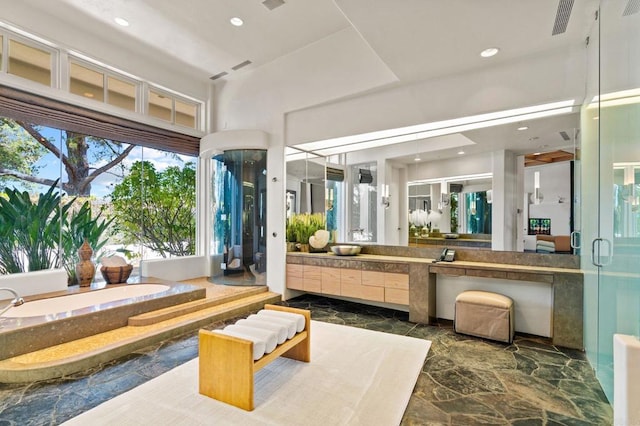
289,323
269,338
300,321
279,329
258,345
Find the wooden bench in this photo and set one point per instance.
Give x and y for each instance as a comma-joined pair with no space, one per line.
227,367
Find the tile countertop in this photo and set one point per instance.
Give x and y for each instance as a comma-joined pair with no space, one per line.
456,263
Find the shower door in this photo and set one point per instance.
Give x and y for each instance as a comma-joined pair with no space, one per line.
238,204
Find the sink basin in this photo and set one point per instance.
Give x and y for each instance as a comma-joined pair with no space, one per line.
345,250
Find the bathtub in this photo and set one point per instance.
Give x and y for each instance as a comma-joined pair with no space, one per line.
65,305
39,324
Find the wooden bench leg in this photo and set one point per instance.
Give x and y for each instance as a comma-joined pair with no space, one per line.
226,369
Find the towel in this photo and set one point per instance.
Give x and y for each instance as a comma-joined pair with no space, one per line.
269,338
300,320
258,345
290,324
279,329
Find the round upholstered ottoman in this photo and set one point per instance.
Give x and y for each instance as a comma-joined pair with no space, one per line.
484,314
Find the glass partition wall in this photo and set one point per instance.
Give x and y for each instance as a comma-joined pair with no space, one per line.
610,123
239,206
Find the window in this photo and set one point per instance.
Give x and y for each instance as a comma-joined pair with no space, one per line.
186,114
86,82
29,62
146,198
37,60
170,108
121,94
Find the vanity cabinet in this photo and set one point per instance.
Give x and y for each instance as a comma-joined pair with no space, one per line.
295,276
395,286
355,279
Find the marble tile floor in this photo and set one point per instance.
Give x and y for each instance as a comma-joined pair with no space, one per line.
465,380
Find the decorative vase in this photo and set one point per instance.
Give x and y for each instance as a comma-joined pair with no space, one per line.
85,269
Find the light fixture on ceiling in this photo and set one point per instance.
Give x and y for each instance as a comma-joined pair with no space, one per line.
121,21
491,51
417,158
521,128
460,152
88,95
386,137
236,22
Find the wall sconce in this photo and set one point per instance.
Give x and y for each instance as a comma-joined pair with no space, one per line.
537,195
385,196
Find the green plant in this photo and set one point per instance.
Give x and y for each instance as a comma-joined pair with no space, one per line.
30,230
304,225
291,232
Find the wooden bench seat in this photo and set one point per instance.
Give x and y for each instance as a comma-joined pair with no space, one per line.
227,367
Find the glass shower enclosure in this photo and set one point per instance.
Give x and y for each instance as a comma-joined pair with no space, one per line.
239,211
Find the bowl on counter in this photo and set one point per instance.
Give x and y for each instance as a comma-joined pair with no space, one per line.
345,249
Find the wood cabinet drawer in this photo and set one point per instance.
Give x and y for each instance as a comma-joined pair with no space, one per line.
373,278
331,281
351,276
394,295
312,272
397,281
294,270
294,283
312,285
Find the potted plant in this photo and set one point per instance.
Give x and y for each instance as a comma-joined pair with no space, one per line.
304,225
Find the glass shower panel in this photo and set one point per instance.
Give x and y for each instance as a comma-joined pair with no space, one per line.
616,250
238,203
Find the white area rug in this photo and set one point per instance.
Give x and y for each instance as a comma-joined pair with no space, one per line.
355,377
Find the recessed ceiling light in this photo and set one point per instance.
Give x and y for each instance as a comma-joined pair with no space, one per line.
417,158
487,53
88,94
523,127
460,152
596,117
121,21
236,22
537,153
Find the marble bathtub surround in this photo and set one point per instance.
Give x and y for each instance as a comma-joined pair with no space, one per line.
24,335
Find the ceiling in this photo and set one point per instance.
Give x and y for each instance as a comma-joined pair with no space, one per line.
415,40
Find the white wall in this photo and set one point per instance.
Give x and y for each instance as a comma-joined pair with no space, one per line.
555,185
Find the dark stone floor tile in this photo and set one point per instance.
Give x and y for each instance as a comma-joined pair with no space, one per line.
466,381
468,406
544,357
421,412
556,419
525,365
511,407
528,422
595,411
538,392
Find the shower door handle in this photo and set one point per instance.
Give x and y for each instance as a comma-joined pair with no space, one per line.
598,242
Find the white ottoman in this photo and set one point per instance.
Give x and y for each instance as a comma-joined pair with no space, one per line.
484,314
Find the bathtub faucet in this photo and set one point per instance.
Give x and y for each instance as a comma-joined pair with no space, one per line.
17,300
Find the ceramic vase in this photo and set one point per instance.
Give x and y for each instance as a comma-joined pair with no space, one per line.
85,269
